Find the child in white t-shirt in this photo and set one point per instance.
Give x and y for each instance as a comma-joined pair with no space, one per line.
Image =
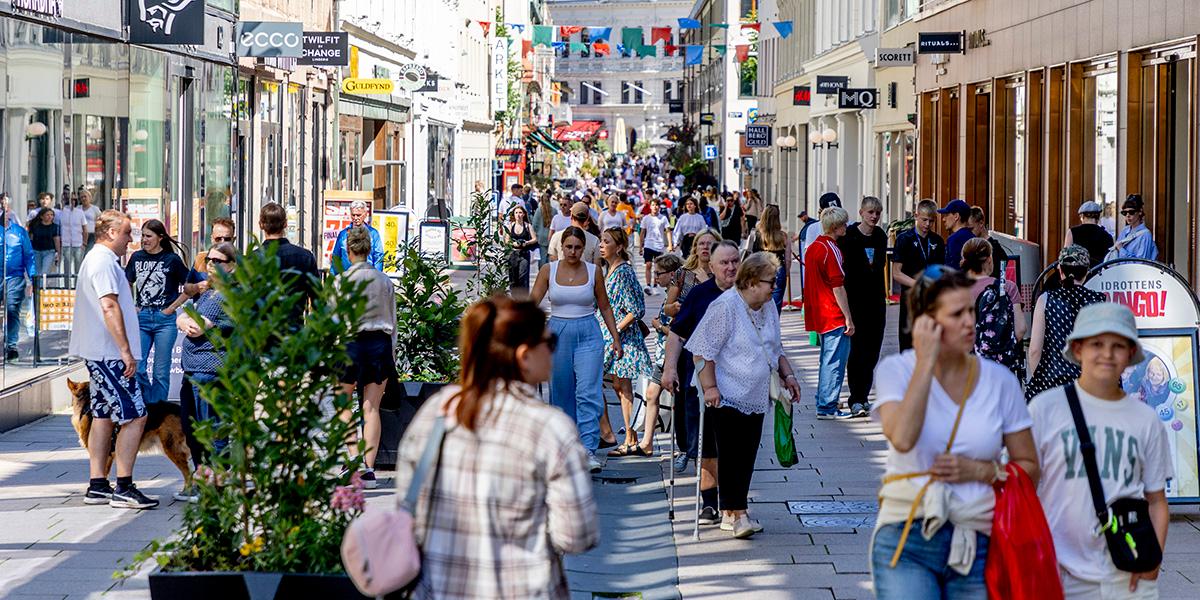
1132,455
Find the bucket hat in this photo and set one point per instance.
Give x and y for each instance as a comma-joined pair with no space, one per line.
1074,256
1101,318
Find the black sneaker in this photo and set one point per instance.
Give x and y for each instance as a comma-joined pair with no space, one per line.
709,516
98,495
11,354
131,497
859,411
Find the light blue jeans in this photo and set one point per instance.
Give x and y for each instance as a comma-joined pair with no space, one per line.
577,378
158,331
835,349
921,571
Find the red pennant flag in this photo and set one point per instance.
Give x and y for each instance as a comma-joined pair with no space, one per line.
486,26
526,48
566,31
660,33
601,49
743,52
753,26
670,49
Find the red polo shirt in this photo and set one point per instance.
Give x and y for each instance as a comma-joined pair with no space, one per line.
822,273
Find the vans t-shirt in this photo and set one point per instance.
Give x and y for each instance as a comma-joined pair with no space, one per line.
1132,455
996,407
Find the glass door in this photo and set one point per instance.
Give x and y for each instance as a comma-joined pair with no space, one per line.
182,159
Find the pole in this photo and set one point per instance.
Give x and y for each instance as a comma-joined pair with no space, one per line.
671,463
699,451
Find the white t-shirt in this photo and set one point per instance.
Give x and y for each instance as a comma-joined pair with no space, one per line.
689,223
100,275
654,232
91,213
560,222
609,220
1132,454
996,408
73,222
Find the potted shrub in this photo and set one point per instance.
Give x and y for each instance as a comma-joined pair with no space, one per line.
273,505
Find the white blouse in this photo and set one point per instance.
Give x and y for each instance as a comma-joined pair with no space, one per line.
745,346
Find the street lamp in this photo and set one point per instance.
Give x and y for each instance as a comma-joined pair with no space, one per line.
787,143
35,129
830,137
814,138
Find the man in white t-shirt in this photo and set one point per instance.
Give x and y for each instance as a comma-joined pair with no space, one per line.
90,214
579,218
1133,454
656,238
512,200
74,235
104,333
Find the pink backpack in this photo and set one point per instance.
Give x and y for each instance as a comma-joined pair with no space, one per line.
379,548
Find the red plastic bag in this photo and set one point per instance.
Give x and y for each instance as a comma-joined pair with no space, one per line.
1020,564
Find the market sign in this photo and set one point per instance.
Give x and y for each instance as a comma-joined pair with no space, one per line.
950,42
326,49
758,136
270,39
830,84
368,86
165,22
1166,313
895,57
801,95
49,8
858,98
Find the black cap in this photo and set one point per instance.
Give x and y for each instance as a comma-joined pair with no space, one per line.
829,199
1134,202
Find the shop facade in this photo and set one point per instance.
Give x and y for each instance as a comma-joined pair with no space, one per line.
1053,108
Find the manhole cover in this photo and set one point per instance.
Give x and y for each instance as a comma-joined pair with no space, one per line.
832,508
616,480
855,521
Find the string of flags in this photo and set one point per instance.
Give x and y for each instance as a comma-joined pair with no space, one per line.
599,39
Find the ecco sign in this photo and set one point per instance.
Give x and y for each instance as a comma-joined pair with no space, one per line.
858,98
267,39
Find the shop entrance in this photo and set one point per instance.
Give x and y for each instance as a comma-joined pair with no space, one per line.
185,195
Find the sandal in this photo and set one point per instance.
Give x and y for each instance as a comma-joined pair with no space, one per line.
637,450
621,450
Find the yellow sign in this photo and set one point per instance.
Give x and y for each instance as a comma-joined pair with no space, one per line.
354,62
56,310
368,86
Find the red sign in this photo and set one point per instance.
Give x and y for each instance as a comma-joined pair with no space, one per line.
82,88
603,134
801,95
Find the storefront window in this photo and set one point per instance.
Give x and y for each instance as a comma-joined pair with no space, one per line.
268,150
216,186
230,6
1105,98
147,149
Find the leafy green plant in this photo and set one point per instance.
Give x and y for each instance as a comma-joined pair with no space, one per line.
641,148
487,248
427,315
272,500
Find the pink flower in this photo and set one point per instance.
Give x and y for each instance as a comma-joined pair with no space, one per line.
348,498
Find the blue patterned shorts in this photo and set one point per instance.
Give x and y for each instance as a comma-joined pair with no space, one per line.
114,396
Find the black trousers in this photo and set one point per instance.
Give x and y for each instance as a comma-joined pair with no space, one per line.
869,323
905,335
738,435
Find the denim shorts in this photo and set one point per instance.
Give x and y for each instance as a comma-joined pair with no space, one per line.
114,396
922,571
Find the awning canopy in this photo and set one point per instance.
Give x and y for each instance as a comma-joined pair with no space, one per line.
542,138
578,131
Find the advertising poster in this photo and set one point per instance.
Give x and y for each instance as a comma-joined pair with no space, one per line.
1166,381
393,232
56,309
141,205
336,217
433,237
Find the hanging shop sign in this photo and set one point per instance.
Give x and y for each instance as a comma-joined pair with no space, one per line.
710,152
49,8
708,118
978,39
1167,315
270,39
499,74
368,86
861,98
326,49
411,77
758,136
950,42
830,84
895,57
674,106
801,95
751,115
166,22
431,82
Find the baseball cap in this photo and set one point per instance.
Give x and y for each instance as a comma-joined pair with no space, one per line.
829,199
1089,207
1101,318
1074,256
957,207
579,209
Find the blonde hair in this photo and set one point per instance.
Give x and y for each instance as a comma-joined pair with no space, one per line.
770,229
109,219
621,239
832,218
693,259
755,267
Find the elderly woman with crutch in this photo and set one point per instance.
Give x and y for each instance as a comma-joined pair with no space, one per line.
738,341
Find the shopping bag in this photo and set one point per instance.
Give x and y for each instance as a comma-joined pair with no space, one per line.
1020,563
785,444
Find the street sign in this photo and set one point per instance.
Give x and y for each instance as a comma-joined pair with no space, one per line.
710,152
950,42
758,136
734,114
801,95
707,118
751,115
895,57
830,84
675,106
858,98
368,86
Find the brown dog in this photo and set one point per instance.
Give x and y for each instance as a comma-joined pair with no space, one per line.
163,432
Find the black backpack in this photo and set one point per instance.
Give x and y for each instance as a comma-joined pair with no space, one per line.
996,330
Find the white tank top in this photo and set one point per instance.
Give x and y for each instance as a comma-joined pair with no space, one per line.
572,301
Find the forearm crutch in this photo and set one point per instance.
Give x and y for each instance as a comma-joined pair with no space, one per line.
699,448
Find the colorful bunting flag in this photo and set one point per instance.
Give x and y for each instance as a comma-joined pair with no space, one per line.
644,51
742,52
694,55
689,24
517,27
660,33
599,33
578,47
558,45
670,49
621,49
754,26
631,38
543,35
784,28
486,26
719,25
566,31
526,48
601,49
720,48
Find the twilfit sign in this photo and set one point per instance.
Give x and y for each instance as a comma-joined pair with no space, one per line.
268,39
166,22
326,49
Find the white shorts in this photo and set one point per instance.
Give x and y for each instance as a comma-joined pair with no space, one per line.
1116,588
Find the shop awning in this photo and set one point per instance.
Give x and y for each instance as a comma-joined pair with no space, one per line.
542,138
578,131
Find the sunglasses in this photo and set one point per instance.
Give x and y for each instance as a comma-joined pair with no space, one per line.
222,238
219,261
770,282
1129,212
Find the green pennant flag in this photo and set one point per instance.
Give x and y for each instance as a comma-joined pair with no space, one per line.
720,48
543,35
578,47
631,38
644,51
719,25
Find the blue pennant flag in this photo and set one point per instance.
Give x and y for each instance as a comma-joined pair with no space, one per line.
620,48
558,45
518,27
694,55
689,24
784,28
599,33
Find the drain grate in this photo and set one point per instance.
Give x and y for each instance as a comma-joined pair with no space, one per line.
855,521
826,508
616,481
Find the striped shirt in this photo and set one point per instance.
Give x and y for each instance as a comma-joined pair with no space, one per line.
511,498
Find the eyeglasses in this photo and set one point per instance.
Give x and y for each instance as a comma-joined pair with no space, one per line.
770,282
661,273
222,238
551,342
1129,212
219,261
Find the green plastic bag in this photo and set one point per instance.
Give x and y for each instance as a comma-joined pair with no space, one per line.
785,445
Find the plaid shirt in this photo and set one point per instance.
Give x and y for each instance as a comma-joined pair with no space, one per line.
511,498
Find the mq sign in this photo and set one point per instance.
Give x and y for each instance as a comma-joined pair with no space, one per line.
858,98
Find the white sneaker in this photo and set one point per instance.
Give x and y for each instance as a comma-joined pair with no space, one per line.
594,464
742,528
727,524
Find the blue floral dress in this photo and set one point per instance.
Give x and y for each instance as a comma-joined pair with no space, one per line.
625,297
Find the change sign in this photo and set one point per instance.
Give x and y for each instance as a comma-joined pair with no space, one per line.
326,49
758,136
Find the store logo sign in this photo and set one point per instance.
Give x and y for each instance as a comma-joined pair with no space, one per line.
801,95
895,57
950,42
411,77
325,49
166,22
268,39
368,86
830,84
50,8
758,136
858,98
